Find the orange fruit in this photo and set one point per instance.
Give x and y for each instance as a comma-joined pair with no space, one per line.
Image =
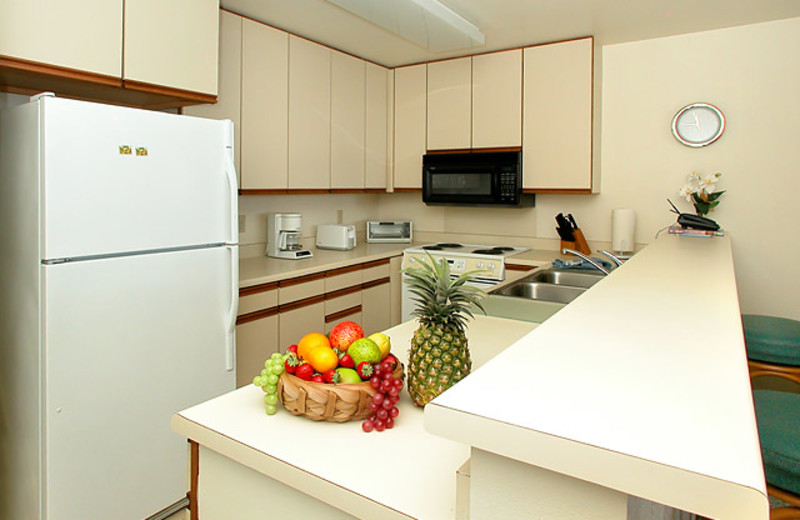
311,341
323,359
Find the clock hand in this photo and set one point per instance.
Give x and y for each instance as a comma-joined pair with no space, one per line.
696,120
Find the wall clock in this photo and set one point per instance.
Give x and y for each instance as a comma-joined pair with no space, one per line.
698,124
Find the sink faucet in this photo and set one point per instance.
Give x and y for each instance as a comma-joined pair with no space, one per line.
614,258
594,264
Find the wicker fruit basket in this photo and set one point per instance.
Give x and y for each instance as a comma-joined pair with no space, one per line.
326,402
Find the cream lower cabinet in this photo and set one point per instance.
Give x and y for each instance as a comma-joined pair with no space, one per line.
256,330
557,117
344,305
376,312
256,340
297,320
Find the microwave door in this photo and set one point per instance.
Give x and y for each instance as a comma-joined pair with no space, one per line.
463,185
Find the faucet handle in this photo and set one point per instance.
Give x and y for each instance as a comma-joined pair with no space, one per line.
614,258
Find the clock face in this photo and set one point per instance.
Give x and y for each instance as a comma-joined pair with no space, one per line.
699,124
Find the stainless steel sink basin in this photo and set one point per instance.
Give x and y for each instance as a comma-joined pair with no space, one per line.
552,285
542,291
573,278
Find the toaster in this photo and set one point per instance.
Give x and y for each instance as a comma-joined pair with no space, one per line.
336,236
389,231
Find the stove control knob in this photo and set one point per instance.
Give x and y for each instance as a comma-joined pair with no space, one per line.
490,266
479,265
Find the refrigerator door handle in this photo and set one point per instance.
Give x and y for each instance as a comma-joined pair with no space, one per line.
230,341
230,173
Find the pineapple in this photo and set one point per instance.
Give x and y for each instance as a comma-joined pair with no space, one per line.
439,355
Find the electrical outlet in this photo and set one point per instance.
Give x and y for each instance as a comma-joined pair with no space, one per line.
241,224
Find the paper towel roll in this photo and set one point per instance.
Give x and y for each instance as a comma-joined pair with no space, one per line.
623,229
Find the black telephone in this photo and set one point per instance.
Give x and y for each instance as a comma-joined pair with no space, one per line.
688,220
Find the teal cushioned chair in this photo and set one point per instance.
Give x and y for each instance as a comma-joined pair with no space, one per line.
773,349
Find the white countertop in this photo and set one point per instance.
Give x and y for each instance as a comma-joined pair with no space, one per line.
639,385
261,269
333,462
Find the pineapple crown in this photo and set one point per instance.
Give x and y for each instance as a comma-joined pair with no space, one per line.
442,300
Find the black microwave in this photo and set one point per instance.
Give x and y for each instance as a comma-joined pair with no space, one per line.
474,179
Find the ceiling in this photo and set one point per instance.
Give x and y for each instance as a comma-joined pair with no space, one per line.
515,23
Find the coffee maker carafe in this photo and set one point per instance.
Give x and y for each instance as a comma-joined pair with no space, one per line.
284,238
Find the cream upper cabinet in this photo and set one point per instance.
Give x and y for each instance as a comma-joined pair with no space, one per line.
557,117
348,109
172,44
497,99
410,107
228,105
84,35
450,104
376,124
309,114
265,107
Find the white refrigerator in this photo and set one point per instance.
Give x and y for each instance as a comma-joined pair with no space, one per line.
119,289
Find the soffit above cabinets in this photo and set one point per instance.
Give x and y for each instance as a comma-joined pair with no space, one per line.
513,23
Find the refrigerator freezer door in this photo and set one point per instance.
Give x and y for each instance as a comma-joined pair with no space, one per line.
128,342
118,179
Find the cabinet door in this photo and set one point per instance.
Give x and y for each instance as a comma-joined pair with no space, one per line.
376,309
265,107
228,105
172,44
377,132
256,340
396,297
81,34
410,105
297,322
348,108
309,115
557,119
497,99
450,104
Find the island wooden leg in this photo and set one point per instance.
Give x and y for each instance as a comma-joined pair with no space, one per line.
505,488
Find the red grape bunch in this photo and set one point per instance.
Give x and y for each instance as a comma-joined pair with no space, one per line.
384,402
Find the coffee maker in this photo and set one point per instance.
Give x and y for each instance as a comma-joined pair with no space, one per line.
283,236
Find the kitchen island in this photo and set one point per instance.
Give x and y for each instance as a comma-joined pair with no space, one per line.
637,388
248,463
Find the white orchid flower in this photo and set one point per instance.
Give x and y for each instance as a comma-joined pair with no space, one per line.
708,184
694,178
686,192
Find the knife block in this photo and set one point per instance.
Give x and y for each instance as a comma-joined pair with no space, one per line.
579,244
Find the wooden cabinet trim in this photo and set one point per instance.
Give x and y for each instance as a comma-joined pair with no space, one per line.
298,191
342,292
342,270
520,267
375,283
301,279
301,303
559,191
257,315
408,190
35,67
255,289
194,478
342,314
196,97
375,263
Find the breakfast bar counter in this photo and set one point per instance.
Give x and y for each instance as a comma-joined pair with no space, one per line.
247,464
639,387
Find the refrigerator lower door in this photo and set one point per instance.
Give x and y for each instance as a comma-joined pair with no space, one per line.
128,341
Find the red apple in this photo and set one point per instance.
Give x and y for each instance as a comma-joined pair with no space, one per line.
345,333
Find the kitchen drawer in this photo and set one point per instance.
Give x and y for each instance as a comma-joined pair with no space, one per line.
338,302
260,297
376,270
300,288
352,314
341,278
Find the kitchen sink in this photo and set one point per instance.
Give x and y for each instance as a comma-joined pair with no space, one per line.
572,278
551,285
542,291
